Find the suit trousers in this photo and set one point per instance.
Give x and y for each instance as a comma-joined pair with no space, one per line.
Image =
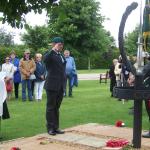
54,99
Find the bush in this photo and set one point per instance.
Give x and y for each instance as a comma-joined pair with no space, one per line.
97,60
5,51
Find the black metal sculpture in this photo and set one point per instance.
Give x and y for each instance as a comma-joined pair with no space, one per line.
139,91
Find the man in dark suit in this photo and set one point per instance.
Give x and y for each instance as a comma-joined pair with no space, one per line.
54,84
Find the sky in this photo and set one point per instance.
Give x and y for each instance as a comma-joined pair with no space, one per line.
112,9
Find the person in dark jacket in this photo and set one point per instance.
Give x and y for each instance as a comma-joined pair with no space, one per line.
40,73
17,77
112,76
54,84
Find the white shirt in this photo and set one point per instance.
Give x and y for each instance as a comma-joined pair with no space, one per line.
9,69
117,71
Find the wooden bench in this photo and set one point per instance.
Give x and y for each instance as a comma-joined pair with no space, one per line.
103,77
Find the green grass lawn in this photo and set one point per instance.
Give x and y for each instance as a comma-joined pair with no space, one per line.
91,103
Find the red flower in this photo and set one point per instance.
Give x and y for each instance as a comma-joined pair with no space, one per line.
119,123
117,143
15,148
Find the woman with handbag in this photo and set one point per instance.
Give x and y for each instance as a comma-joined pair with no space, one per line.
27,68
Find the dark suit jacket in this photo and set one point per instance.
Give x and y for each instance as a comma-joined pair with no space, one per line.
55,70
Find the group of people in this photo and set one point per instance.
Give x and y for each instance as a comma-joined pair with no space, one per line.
31,73
52,71
120,75
20,71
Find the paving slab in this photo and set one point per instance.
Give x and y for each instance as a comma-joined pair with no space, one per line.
104,130
68,137
80,139
108,131
92,141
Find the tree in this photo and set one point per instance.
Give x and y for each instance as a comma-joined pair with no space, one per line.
15,10
131,40
36,37
6,39
80,23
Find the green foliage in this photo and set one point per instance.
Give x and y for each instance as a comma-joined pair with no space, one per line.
36,37
80,24
5,51
81,62
97,59
6,38
15,10
131,40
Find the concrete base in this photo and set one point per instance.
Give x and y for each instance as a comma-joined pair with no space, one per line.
90,136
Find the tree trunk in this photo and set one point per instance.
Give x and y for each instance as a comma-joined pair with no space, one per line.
89,64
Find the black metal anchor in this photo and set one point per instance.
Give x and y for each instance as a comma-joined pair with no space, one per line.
139,91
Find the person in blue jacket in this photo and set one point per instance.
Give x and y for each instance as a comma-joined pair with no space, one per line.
70,72
17,77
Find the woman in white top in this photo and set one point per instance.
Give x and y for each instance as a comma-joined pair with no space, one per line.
117,72
9,70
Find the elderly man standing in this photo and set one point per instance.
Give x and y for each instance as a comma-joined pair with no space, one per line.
27,67
54,84
70,71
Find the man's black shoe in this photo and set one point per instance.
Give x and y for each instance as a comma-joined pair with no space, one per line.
147,135
51,132
59,131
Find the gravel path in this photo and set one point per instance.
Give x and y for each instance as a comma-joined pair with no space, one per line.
93,76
